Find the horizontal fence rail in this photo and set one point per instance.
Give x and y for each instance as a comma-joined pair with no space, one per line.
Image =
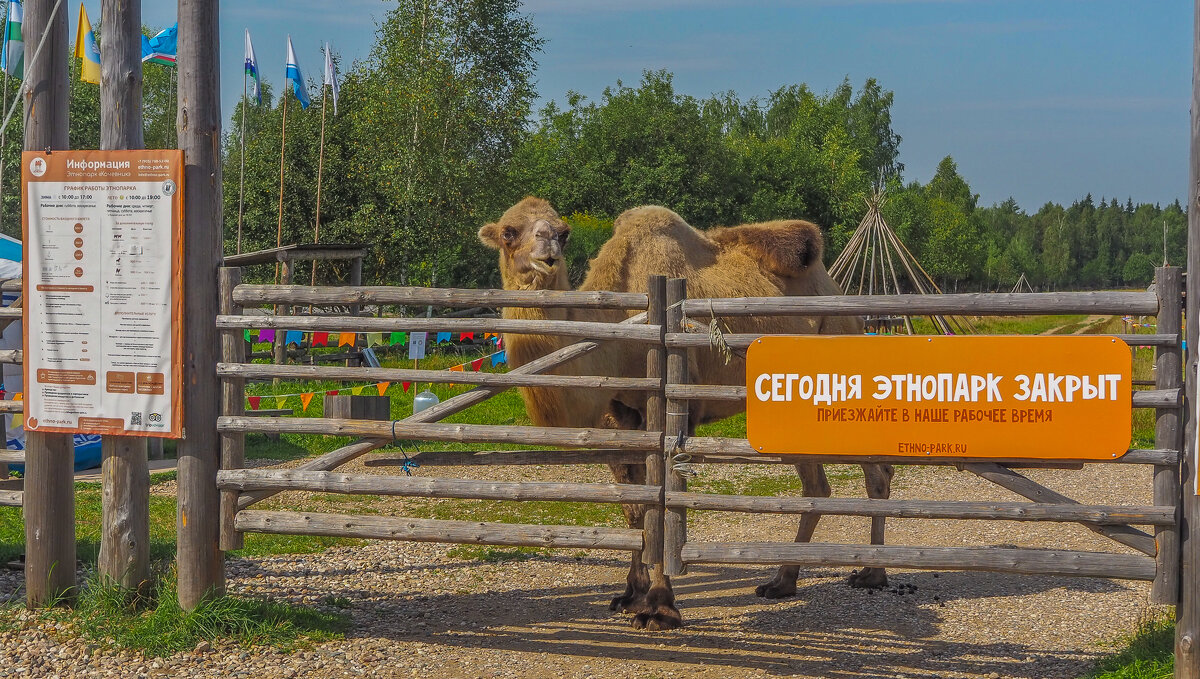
415,486
247,295
435,530
315,372
11,498
457,458
927,509
634,332
689,340
963,304
713,449
10,313
12,356
998,560
461,433
12,406
1146,398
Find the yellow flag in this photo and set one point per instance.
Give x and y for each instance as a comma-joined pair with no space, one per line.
86,49
280,402
357,391
18,419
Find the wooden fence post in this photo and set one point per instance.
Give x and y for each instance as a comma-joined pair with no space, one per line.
233,402
675,523
656,366
199,559
49,458
285,278
1187,614
125,522
1168,374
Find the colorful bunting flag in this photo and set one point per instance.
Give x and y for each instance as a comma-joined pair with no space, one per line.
247,335
374,339
251,70
305,399
332,392
320,339
164,47
12,59
254,401
299,84
500,357
383,387
331,76
442,337
477,364
293,337
280,402
405,386
18,419
464,336
356,391
266,335
398,338
346,339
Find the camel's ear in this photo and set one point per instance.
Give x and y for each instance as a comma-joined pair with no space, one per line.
786,249
492,236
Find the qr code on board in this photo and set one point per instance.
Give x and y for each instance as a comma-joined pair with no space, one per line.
135,419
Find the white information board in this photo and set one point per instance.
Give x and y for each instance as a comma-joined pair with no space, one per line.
103,296
416,345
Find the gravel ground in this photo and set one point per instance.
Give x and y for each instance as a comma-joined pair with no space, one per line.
418,612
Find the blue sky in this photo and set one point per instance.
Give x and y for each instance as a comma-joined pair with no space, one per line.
1039,100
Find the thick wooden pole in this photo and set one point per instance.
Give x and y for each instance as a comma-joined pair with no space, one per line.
675,523
200,561
125,522
233,402
1187,613
49,458
1168,374
656,366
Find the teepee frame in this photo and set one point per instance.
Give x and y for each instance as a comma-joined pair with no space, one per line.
876,262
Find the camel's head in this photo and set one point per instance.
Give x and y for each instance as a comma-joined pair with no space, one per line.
530,237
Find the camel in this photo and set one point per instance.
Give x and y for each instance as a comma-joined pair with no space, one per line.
753,260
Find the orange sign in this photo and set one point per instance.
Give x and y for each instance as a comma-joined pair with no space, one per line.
1013,397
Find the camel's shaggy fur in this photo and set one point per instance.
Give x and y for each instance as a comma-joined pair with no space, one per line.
754,260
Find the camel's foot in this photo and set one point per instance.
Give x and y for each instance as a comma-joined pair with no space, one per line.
868,578
660,612
631,601
777,588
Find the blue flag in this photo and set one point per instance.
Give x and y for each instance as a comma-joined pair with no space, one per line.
299,84
252,70
162,48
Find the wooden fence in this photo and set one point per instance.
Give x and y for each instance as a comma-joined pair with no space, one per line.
667,329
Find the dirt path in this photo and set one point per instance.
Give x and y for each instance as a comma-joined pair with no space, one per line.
419,612
1088,324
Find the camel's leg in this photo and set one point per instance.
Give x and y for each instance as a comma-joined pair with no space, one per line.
658,611
637,583
815,484
879,486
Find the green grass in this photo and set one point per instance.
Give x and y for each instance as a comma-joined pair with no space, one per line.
160,628
1148,654
1006,325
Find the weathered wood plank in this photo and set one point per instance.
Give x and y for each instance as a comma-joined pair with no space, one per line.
973,304
702,447
654,520
589,330
11,498
928,509
465,458
50,493
396,375
12,406
676,421
201,565
1032,490
417,486
462,433
12,457
997,560
432,530
446,297
233,403
1158,398
1168,375
12,356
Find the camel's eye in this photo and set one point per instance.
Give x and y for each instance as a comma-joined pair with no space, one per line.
509,234
563,236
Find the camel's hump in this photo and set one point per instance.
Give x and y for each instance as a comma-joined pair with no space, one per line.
786,247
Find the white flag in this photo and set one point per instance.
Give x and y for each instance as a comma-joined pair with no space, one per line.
331,76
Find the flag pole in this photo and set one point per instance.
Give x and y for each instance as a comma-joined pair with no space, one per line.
242,172
320,166
282,146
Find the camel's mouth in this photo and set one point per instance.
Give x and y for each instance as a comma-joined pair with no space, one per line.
543,266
